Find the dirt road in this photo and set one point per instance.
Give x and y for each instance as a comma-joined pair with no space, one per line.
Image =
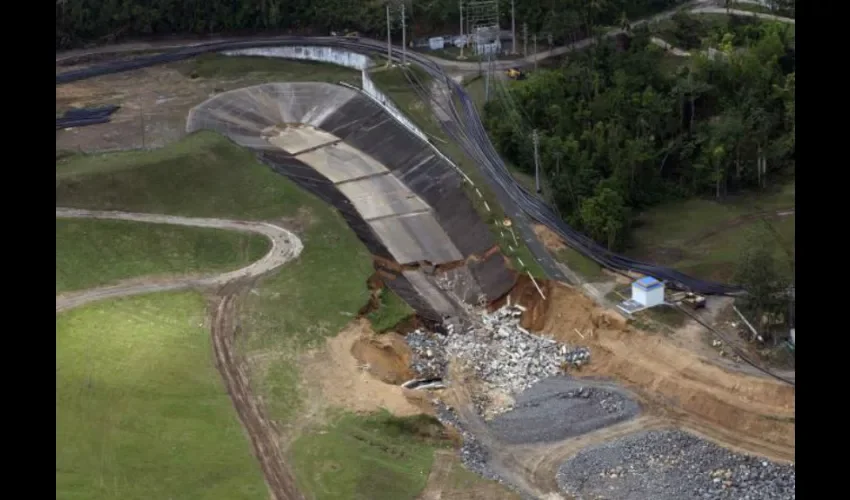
229,288
285,247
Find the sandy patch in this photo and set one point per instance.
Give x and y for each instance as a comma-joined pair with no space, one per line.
346,382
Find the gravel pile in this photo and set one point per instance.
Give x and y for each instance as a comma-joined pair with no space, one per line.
429,353
505,356
559,408
473,455
673,465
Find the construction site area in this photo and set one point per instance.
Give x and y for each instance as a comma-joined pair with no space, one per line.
484,380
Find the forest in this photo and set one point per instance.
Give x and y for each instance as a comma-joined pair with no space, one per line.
80,22
620,131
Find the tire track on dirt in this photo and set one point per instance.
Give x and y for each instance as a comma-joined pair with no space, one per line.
285,247
229,288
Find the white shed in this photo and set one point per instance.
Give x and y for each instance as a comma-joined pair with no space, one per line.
436,43
648,292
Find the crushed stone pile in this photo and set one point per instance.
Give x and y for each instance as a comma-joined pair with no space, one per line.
561,407
473,454
507,358
673,465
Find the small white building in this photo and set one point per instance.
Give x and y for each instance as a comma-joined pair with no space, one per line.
648,292
436,43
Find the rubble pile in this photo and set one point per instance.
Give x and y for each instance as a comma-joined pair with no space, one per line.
429,353
505,356
673,465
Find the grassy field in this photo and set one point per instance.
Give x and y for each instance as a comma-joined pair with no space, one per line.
377,457
206,175
311,298
391,311
220,66
141,411
92,253
704,237
395,86
203,175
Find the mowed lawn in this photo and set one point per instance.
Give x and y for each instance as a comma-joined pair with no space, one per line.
375,457
705,237
92,252
141,412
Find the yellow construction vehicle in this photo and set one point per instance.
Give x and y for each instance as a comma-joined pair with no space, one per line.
515,74
694,301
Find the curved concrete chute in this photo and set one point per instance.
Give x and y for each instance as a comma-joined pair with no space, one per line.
403,200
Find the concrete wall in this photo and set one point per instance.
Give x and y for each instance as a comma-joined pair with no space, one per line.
372,91
330,55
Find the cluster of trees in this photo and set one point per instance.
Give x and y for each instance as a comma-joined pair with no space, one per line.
101,21
769,279
619,131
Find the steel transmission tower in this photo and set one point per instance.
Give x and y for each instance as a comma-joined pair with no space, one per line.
482,22
513,28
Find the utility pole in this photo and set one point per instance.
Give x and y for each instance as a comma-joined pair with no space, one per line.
525,39
403,37
536,141
487,81
142,120
551,38
462,41
389,38
534,39
558,163
513,28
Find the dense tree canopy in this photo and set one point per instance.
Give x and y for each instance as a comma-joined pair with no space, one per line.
99,21
631,133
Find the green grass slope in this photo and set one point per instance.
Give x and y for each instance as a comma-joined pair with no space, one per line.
141,411
92,253
377,457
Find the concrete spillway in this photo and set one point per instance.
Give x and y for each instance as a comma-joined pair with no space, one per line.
404,201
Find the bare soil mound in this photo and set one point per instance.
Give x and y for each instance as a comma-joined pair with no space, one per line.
386,357
342,381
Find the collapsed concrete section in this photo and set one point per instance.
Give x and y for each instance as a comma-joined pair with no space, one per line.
404,201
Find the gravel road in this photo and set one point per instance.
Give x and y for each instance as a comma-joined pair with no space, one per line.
561,407
673,465
285,247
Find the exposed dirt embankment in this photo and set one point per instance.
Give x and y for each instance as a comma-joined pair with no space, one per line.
526,294
735,409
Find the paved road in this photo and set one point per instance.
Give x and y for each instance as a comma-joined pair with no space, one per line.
760,15
285,247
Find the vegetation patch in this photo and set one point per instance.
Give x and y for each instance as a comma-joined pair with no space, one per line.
373,457
202,175
91,253
667,234
206,175
584,267
635,136
219,66
141,411
391,311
